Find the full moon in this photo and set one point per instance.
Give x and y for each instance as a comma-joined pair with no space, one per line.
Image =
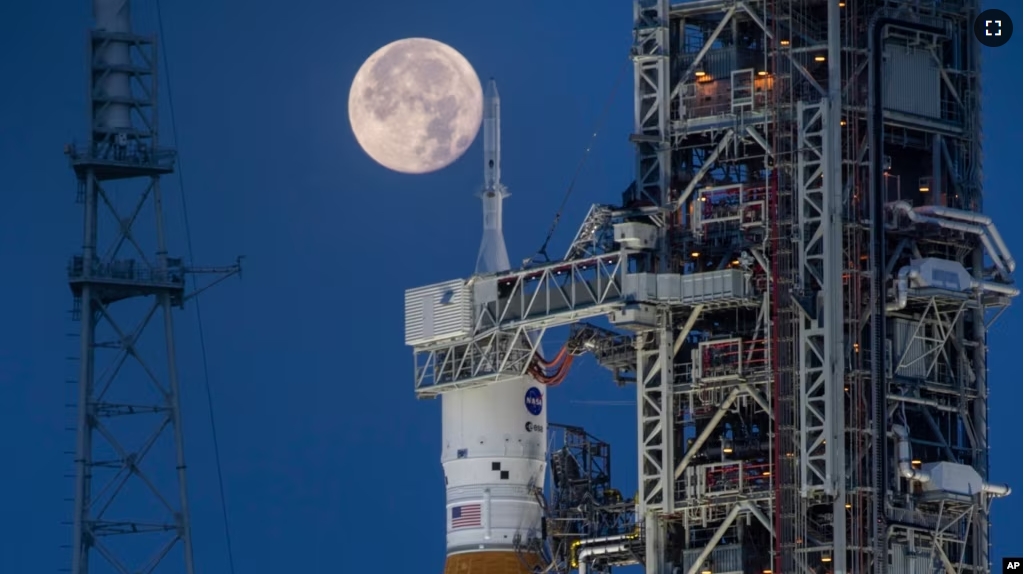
415,105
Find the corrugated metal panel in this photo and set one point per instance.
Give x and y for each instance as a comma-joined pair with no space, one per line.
724,559
903,561
670,286
709,287
911,82
720,63
910,352
639,287
485,291
716,285
437,312
485,297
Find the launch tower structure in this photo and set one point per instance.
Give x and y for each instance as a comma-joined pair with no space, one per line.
799,282
130,504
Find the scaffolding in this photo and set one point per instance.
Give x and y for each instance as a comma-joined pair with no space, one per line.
583,507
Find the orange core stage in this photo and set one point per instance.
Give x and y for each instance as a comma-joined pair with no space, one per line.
504,562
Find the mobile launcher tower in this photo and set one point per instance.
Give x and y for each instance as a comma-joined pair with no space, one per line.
797,283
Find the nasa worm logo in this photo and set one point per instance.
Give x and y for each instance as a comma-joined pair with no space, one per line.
534,401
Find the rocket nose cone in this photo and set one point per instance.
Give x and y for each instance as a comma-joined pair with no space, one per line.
492,89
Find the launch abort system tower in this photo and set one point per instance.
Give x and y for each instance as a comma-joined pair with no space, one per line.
798,282
131,507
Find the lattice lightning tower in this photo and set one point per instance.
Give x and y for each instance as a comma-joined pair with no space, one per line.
131,510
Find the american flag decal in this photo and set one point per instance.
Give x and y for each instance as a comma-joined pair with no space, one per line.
466,516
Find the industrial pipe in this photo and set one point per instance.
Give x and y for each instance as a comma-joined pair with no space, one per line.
902,287
922,476
978,218
596,551
914,214
926,402
998,490
605,539
907,470
995,288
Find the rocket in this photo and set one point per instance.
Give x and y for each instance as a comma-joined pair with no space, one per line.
493,256
494,438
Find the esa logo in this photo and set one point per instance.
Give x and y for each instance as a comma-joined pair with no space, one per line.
534,401
1013,565
533,427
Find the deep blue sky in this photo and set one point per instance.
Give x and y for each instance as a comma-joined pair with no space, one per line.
330,463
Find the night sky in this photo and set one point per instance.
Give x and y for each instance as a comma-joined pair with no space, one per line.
330,464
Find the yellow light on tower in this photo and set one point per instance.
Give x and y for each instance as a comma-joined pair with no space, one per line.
784,43
700,73
819,58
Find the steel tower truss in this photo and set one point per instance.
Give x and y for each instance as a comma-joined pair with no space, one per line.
583,505
791,304
131,506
